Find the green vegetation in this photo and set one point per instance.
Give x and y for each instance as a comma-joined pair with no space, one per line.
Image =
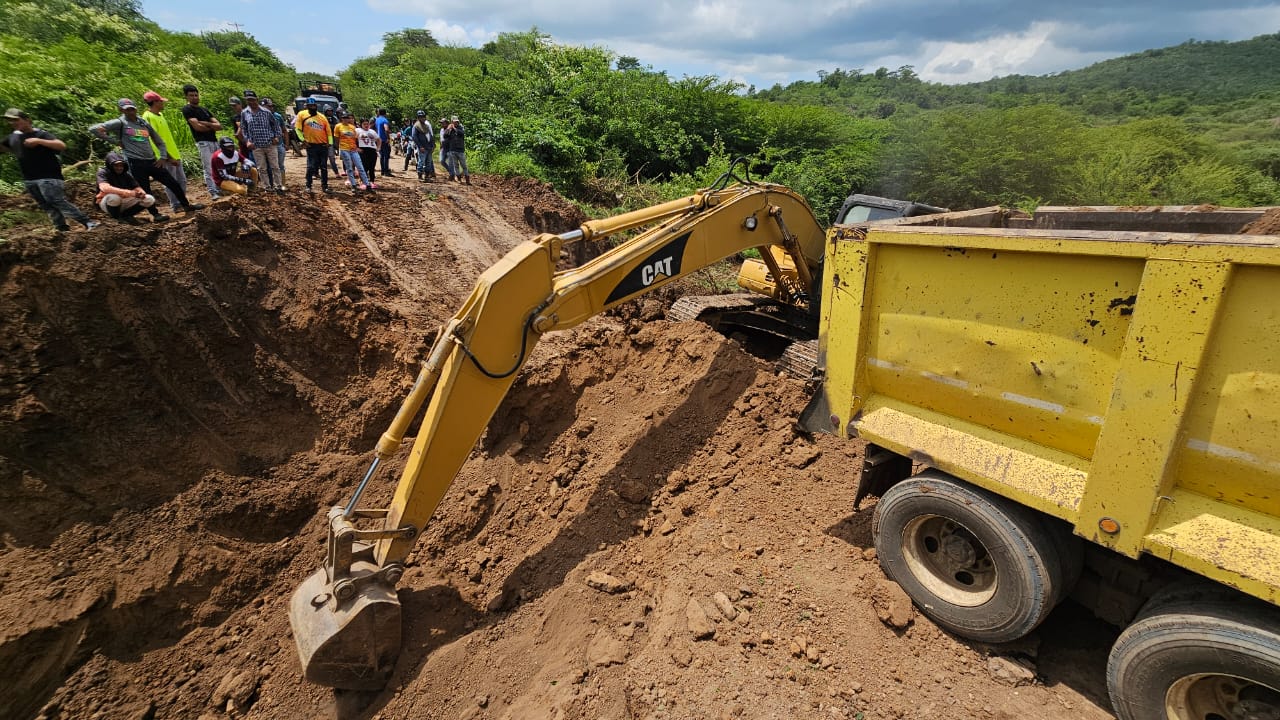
1195,123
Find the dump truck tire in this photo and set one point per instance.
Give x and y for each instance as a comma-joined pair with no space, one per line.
977,564
1197,651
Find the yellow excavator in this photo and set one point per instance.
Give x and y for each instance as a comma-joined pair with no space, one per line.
346,616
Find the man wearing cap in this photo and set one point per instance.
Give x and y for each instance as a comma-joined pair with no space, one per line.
348,136
234,176
261,133
316,134
383,126
134,136
456,151
154,117
424,139
204,128
37,153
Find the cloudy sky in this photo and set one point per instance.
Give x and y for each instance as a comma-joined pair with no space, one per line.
751,41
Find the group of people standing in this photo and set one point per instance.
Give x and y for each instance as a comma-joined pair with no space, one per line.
358,144
231,164
422,138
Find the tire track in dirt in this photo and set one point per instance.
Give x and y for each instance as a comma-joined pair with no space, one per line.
463,233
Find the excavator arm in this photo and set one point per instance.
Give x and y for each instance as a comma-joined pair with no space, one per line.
345,617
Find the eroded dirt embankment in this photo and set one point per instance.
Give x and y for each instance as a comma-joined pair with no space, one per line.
182,403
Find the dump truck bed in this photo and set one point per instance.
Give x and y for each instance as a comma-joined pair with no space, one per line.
1118,368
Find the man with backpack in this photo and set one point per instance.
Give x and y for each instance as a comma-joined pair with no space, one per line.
134,136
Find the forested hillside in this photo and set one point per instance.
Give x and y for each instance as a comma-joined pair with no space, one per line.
1195,123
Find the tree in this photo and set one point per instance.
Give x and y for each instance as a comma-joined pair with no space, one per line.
400,41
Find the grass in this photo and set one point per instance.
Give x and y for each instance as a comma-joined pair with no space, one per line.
14,218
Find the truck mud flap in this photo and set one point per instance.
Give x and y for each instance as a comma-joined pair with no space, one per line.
881,469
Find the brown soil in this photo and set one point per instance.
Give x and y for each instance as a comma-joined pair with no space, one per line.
1268,224
182,403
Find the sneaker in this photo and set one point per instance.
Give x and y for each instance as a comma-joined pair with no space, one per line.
62,228
192,207
91,225
159,217
131,220
373,186
468,179
327,191
363,186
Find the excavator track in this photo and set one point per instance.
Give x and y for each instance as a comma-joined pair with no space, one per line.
698,307
800,359
742,312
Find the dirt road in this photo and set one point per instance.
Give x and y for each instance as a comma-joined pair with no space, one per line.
181,404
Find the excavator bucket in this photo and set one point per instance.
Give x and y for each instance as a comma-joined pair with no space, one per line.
351,645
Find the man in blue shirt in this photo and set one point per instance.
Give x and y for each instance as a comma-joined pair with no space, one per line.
383,126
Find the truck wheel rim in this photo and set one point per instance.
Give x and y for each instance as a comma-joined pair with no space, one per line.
1210,696
948,560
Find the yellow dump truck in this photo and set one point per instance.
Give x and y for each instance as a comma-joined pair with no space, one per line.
1111,374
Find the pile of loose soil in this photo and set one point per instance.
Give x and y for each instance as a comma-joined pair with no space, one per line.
640,533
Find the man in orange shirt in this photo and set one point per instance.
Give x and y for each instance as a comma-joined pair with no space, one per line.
315,134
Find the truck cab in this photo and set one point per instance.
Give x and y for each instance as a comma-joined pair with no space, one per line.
324,93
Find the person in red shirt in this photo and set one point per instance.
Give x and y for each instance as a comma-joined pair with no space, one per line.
233,172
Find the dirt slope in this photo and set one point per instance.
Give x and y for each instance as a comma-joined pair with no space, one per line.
181,403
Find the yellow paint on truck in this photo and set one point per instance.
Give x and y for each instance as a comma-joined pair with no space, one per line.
1122,375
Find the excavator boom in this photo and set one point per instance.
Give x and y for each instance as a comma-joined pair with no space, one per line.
345,617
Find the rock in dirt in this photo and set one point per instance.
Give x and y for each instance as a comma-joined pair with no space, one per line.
606,650
1010,671
725,607
699,624
236,690
604,582
892,605
633,491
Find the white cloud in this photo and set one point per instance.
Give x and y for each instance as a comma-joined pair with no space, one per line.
447,33
762,42
1032,52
